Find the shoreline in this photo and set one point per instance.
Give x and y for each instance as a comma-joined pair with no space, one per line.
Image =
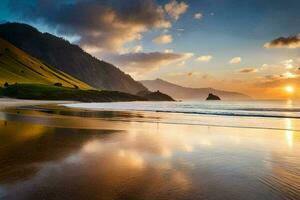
14,103
39,112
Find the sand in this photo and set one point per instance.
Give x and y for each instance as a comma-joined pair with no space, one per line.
8,102
63,153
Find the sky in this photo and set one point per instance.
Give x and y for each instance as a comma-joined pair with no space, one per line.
249,46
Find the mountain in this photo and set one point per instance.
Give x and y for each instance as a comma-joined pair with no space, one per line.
155,96
16,66
69,58
185,93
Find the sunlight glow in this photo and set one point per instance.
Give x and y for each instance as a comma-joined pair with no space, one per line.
289,134
289,89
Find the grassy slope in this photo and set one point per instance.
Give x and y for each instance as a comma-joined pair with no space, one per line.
50,92
17,66
29,78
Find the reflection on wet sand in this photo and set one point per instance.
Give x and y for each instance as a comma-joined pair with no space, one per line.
23,144
45,156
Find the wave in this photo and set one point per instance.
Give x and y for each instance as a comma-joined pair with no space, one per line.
231,114
238,109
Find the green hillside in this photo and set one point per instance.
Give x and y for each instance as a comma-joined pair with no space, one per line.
69,58
17,66
51,92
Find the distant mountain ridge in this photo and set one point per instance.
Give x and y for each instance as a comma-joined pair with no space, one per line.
185,93
69,58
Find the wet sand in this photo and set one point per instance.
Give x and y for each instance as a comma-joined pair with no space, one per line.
52,152
8,102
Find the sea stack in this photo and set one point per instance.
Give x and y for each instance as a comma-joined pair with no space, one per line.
211,96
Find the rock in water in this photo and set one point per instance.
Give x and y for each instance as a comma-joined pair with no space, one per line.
212,97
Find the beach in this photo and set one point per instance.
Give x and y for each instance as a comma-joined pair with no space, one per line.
62,151
149,100
9,102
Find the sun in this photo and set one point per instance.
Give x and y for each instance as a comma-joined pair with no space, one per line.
289,89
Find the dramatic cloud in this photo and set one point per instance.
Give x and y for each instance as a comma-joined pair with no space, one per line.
235,60
291,42
163,39
175,9
145,62
102,25
205,58
198,16
248,70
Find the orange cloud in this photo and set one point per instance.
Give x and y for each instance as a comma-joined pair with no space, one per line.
175,9
163,39
235,60
204,58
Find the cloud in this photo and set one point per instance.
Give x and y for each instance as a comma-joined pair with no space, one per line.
235,60
137,49
175,9
205,58
280,76
146,62
288,63
106,25
163,39
186,74
248,70
289,75
278,80
168,50
198,16
192,78
290,42
281,67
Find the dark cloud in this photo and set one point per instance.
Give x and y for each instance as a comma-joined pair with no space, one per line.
140,62
248,70
290,42
101,25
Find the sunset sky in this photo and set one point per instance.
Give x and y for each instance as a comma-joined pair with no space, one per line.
251,46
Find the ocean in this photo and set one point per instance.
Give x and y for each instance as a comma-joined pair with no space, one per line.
255,108
269,114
